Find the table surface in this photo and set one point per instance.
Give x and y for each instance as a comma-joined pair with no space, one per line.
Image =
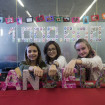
53,96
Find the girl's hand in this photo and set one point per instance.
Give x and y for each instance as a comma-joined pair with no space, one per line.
52,70
31,68
38,71
68,71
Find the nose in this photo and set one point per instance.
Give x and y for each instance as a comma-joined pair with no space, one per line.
51,50
81,51
32,52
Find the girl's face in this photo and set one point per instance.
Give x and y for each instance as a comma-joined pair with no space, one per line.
82,49
51,51
32,53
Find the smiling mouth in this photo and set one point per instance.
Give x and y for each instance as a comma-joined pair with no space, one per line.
51,55
83,55
33,57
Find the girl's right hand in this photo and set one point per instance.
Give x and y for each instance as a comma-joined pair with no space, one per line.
69,69
52,70
38,71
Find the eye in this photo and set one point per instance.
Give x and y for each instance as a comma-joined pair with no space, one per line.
29,51
52,49
83,48
49,49
35,51
78,49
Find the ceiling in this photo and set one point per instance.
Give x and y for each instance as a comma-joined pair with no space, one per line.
70,8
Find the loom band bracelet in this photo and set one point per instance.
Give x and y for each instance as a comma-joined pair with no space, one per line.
45,70
35,67
55,62
41,69
31,68
55,65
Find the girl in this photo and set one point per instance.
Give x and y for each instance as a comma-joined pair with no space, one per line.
33,61
87,58
54,60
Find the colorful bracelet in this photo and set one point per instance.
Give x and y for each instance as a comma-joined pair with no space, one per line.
34,67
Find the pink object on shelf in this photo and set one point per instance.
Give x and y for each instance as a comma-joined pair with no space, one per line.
71,85
70,79
27,77
11,80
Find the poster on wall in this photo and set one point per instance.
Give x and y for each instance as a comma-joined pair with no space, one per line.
49,18
9,20
103,15
40,18
86,20
66,19
94,17
1,19
57,18
29,20
19,21
75,19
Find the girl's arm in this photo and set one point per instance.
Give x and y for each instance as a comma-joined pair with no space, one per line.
94,62
37,70
60,62
70,67
23,66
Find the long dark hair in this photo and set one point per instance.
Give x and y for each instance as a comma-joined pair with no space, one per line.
46,49
91,51
39,58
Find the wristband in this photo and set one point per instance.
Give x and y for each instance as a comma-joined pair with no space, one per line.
55,65
35,67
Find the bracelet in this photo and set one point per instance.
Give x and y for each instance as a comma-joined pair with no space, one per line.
31,68
34,67
55,65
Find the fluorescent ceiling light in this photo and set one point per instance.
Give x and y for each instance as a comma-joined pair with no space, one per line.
88,9
35,23
28,14
20,2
